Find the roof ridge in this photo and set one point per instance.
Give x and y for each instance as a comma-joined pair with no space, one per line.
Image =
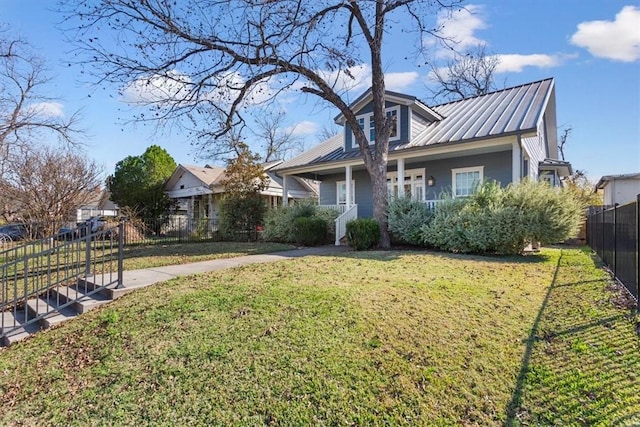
493,92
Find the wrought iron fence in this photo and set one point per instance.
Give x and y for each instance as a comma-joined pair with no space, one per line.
170,229
613,234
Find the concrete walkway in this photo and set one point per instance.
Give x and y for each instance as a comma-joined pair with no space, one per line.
135,279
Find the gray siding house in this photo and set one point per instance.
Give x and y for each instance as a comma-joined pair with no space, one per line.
506,135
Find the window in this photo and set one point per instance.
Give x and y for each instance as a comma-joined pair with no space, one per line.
413,184
548,176
367,124
341,192
393,116
465,180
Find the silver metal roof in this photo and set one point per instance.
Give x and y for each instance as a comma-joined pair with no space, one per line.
505,112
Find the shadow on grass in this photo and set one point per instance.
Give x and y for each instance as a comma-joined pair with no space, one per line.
516,399
586,362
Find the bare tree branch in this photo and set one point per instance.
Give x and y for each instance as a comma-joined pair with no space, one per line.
222,57
465,74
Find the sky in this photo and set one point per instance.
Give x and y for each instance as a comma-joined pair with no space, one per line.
590,47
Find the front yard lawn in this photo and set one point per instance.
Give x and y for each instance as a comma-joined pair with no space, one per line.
373,338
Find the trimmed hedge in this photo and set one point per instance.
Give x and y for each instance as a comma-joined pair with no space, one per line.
279,224
363,233
310,231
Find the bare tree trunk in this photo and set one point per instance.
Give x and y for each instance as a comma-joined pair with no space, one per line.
380,202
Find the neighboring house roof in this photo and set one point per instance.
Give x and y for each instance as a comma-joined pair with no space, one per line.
607,178
208,181
512,111
563,168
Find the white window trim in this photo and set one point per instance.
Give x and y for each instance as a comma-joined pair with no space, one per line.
368,120
463,170
393,176
353,193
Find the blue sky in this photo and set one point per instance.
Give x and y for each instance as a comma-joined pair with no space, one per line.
591,48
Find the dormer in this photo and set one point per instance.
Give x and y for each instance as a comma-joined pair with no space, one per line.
409,113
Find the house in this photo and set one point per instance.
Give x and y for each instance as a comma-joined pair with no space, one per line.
619,189
197,190
506,135
100,204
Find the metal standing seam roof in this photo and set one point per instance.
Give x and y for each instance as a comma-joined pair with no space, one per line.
503,112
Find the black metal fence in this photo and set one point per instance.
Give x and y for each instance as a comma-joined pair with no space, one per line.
180,229
171,229
613,234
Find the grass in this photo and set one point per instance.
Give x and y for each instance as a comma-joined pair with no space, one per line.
374,338
64,262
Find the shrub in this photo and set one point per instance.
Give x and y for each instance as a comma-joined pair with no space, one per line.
363,233
310,231
503,221
279,223
406,217
241,216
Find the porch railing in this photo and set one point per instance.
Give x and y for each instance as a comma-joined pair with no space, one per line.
341,222
339,208
432,204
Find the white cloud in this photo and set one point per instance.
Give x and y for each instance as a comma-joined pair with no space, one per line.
460,27
358,79
305,127
355,79
400,81
157,89
47,109
175,87
515,63
618,40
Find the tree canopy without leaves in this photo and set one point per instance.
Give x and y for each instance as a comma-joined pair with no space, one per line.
25,110
51,184
138,182
202,60
464,74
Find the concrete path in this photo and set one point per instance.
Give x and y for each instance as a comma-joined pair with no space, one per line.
135,279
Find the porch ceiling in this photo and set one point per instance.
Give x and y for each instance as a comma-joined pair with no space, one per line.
410,156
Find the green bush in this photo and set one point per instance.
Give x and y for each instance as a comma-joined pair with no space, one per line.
241,216
310,231
503,220
279,223
406,216
363,233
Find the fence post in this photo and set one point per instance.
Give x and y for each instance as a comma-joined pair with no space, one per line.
87,251
615,240
120,253
638,251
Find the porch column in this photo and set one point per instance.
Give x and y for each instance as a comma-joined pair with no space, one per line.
516,162
285,191
400,177
347,173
